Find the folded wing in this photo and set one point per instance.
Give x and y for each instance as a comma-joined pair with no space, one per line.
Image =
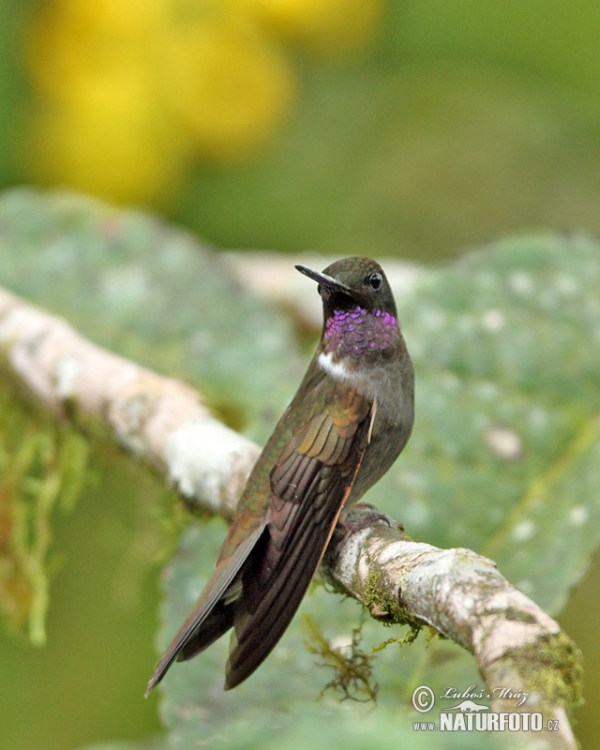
261,579
309,486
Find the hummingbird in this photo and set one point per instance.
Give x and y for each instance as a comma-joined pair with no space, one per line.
349,420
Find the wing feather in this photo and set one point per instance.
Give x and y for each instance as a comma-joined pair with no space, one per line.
315,436
212,615
272,608
308,494
304,477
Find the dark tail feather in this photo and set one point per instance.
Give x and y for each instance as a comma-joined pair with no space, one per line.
219,622
211,617
216,624
258,631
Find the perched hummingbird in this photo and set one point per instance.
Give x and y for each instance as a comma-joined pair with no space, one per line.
344,428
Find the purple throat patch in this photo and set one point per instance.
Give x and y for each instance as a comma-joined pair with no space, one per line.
355,332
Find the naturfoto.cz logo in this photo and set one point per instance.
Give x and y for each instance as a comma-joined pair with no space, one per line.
471,716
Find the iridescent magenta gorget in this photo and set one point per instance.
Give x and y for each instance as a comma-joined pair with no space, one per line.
354,333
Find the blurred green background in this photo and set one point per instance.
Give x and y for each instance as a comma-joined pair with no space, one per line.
418,129
414,129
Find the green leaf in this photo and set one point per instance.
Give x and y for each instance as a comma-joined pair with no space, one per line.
279,703
505,454
504,459
152,293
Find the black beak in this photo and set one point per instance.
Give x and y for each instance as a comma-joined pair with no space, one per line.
326,281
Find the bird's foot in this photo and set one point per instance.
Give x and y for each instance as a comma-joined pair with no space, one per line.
359,517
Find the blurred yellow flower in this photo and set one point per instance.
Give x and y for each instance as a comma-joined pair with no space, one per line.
73,41
130,91
229,84
123,155
325,26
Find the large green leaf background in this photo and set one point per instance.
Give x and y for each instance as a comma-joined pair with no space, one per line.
135,285
504,459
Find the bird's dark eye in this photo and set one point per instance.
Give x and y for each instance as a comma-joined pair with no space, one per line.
375,280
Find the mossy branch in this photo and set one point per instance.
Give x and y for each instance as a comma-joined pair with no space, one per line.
464,597
160,420
166,424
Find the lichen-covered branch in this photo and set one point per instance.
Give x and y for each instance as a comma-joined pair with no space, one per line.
162,421
464,597
166,424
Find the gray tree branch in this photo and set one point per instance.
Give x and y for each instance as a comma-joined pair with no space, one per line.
166,424
464,597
